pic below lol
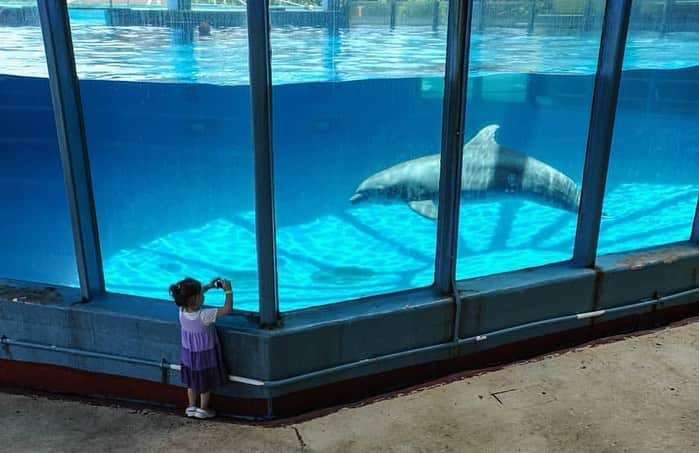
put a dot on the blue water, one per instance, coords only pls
(304, 54)
(172, 161)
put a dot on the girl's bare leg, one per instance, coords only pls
(205, 400)
(192, 397)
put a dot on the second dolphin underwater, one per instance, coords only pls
(488, 169)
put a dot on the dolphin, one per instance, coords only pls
(488, 169)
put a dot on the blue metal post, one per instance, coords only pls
(601, 128)
(67, 108)
(182, 29)
(587, 15)
(695, 227)
(532, 16)
(453, 114)
(481, 15)
(179, 5)
(261, 98)
(435, 15)
(667, 10)
(342, 15)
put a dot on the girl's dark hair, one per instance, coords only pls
(183, 291)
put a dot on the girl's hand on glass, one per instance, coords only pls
(227, 286)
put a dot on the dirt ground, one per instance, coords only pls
(636, 395)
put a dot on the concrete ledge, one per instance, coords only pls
(627, 278)
(342, 352)
(332, 335)
(506, 300)
(20, 374)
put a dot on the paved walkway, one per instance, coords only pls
(636, 395)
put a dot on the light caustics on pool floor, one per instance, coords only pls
(372, 249)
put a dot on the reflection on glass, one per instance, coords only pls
(353, 100)
(530, 81)
(167, 116)
(652, 184)
(36, 242)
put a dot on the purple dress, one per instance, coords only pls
(202, 367)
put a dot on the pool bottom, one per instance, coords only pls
(375, 249)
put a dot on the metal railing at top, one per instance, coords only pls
(652, 15)
(550, 15)
(298, 4)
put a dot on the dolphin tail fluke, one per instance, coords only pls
(425, 208)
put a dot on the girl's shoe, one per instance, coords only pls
(204, 413)
(191, 411)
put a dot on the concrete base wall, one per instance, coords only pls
(339, 353)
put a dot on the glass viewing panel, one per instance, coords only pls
(36, 240)
(356, 100)
(653, 178)
(167, 118)
(531, 78)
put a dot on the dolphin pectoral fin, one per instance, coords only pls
(485, 136)
(425, 208)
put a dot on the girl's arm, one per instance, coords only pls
(228, 304)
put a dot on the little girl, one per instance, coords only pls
(202, 367)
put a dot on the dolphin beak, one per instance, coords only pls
(356, 198)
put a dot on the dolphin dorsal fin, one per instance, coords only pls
(485, 136)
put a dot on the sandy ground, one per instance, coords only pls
(636, 395)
